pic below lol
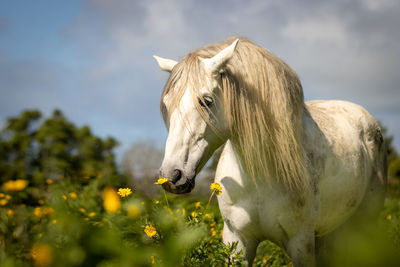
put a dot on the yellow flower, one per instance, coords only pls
(193, 214)
(73, 195)
(64, 197)
(1, 195)
(111, 201)
(152, 259)
(389, 217)
(15, 185)
(161, 181)
(133, 211)
(124, 192)
(8, 197)
(82, 210)
(157, 202)
(216, 187)
(197, 205)
(43, 212)
(213, 232)
(49, 181)
(42, 254)
(3, 202)
(10, 213)
(92, 214)
(150, 230)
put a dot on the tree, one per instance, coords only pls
(53, 149)
(17, 155)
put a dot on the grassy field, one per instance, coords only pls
(64, 224)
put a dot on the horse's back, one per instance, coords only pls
(346, 152)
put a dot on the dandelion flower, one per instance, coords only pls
(64, 197)
(193, 214)
(73, 195)
(124, 192)
(389, 217)
(161, 181)
(150, 230)
(216, 187)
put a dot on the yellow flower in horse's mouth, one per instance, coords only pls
(216, 187)
(161, 181)
(150, 230)
(124, 192)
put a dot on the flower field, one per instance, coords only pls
(64, 224)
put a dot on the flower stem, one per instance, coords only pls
(209, 200)
(166, 199)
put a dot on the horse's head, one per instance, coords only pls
(194, 114)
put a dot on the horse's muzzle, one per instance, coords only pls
(179, 186)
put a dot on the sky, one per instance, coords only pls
(93, 59)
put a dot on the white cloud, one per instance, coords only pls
(378, 5)
(317, 30)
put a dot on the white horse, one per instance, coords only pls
(290, 171)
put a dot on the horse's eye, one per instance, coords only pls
(206, 101)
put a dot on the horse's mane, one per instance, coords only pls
(263, 100)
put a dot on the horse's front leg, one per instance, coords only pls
(301, 249)
(248, 245)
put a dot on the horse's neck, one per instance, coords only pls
(230, 165)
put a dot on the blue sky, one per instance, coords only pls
(93, 59)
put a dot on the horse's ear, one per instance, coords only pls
(165, 64)
(215, 63)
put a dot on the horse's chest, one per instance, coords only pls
(257, 215)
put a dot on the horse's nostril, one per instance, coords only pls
(176, 175)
